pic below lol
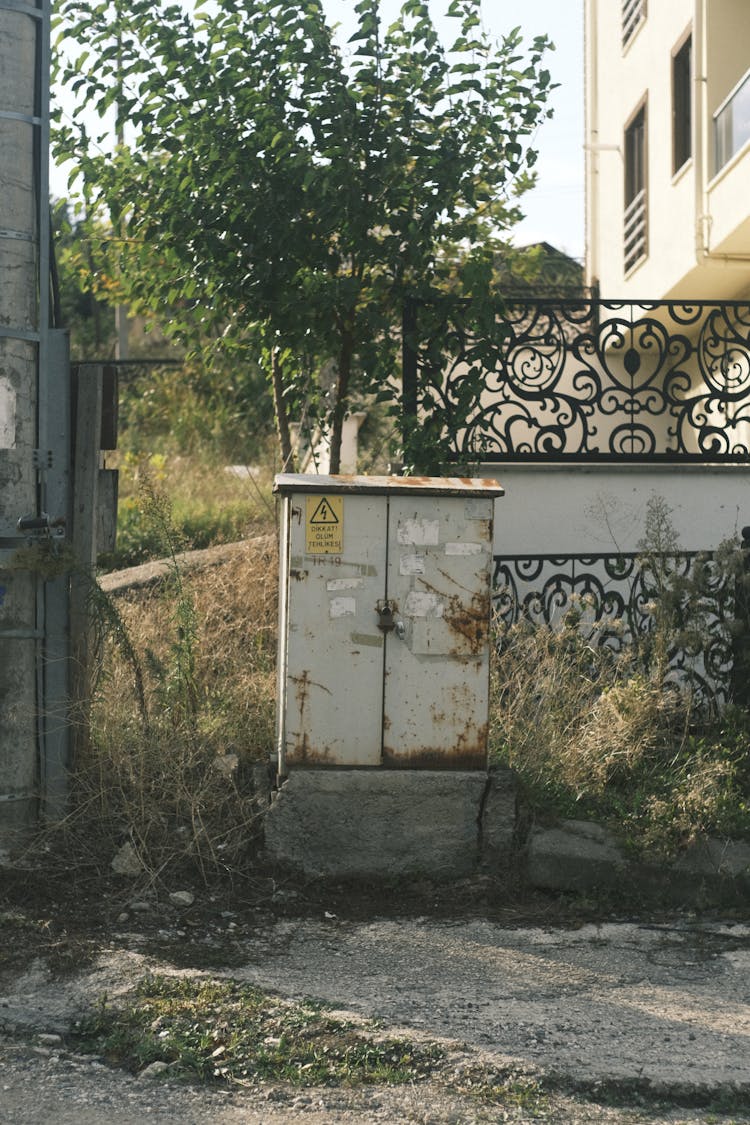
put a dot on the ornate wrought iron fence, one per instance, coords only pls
(612, 598)
(580, 380)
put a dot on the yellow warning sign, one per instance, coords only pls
(324, 525)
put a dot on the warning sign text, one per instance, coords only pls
(324, 525)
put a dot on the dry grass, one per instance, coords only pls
(590, 735)
(182, 716)
(545, 684)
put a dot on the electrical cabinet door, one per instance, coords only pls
(436, 703)
(334, 674)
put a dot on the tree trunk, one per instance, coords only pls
(281, 414)
(343, 379)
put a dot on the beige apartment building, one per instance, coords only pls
(668, 148)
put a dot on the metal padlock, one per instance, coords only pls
(386, 622)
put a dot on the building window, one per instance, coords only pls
(732, 123)
(682, 105)
(633, 15)
(636, 211)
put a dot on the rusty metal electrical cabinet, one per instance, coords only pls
(384, 621)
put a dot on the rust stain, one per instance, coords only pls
(301, 752)
(470, 621)
(426, 758)
(303, 683)
(452, 718)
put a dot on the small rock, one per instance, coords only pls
(155, 1070)
(49, 1040)
(182, 898)
(140, 907)
(123, 917)
(126, 861)
(283, 895)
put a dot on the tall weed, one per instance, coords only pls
(208, 505)
(629, 736)
(183, 714)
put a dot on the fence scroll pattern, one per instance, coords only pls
(584, 380)
(613, 595)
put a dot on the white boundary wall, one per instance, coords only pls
(601, 509)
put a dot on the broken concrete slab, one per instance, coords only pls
(576, 855)
(582, 856)
(709, 856)
(377, 823)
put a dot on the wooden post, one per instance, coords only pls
(88, 416)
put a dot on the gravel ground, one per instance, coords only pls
(621, 1022)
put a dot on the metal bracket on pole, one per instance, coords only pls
(20, 334)
(26, 118)
(18, 235)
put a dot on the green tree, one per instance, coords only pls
(81, 287)
(282, 198)
(538, 270)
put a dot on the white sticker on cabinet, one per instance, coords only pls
(334, 584)
(418, 533)
(422, 604)
(411, 564)
(464, 548)
(342, 607)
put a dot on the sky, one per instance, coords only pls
(554, 210)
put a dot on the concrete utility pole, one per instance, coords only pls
(24, 247)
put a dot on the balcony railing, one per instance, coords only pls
(580, 380)
(732, 123)
(633, 13)
(635, 235)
